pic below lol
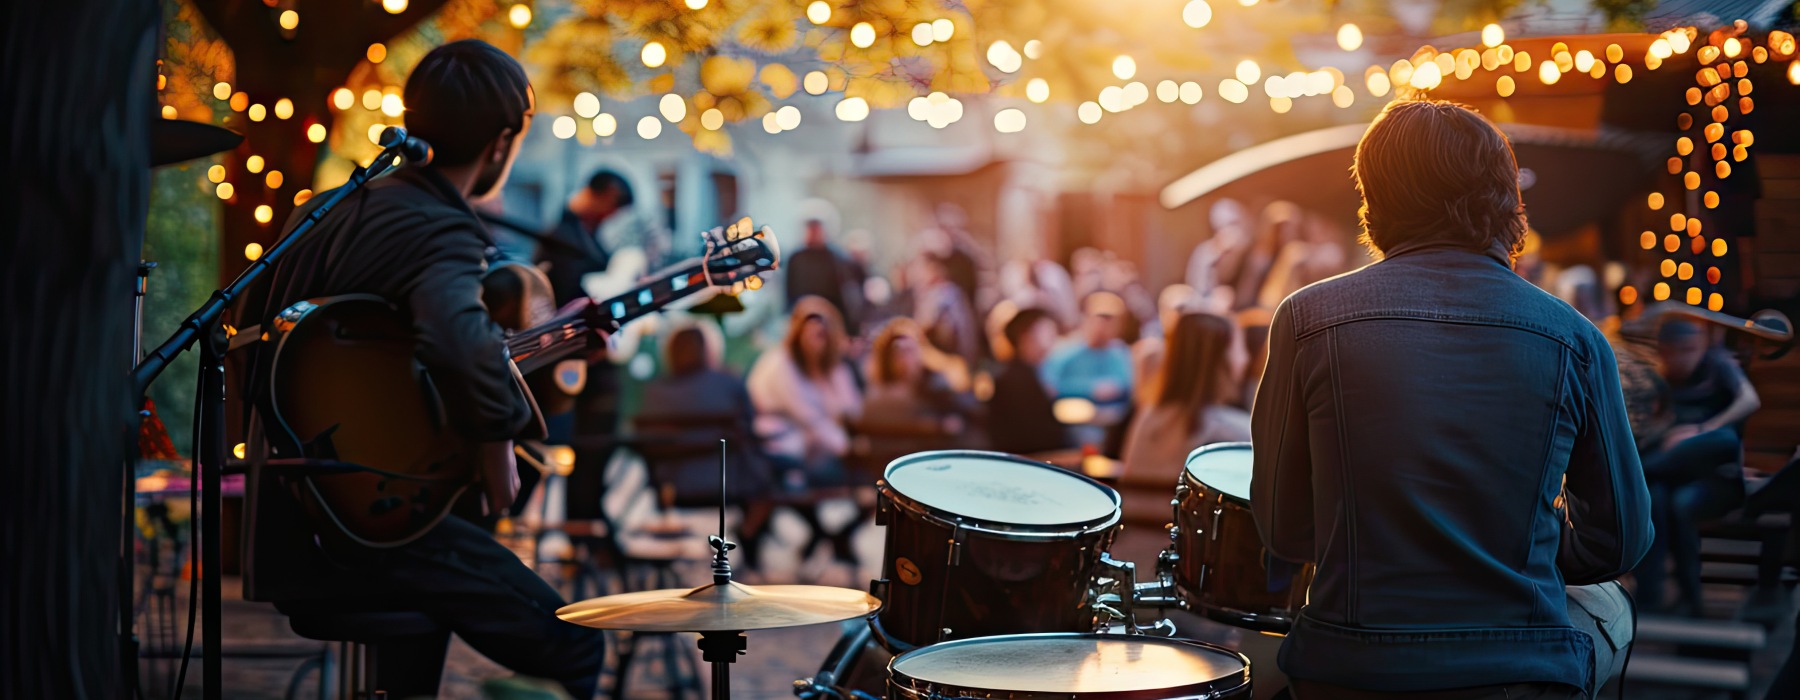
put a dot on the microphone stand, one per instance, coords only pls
(204, 326)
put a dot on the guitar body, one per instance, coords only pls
(345, 386)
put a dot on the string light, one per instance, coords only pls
(605, 125)
(1089, 112)
(856, 109)
(1248, 72)
(221, 90)
(1718, 247)
(862, 35)
(290, 20)
(1037, 90)
(1661, 291)
(315, 133)
(942, 29)
(816, 83)
(1190, 93)
(921, 34)
(273, 180)
(1503, 86)
(1196, 14)
(563, 127)
(393, 7)
(254, 250)
(371, 100)
(1009, 121)
(654, 54)
(649, 128)
(1350, 37)
(696, 4)
(710, 120)
(1168, 91)
(1123, 67)
(225, 190)
(392, 106)
(254, 164)
(819, 12)
(1548, 73)
(1233, 91)
(301, 197)
(284, 108)
(1715, 302)
(264, 214)
(586, 105)
(1492, 35)
(673, 108)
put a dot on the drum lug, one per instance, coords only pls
(1218, 512)
(957, 536)
(882, 506)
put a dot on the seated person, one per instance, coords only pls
(1694, 469)
(697, 403)
(909, 404)
(1199, 380)
(1095, 365)
(805, 395)
(1022, 417)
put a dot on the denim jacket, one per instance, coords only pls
(1413, 432)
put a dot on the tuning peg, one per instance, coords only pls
(737, 288)
(754, 282)
(762, 232)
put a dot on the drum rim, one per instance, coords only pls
(911, 683)
(1187, 475)
(1005, 529)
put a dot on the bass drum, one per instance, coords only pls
(1070, 667)
(983, 543)
(1222, 569)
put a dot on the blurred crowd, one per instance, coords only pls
(949, 348)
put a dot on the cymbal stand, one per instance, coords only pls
(205, 324)
(128, 641)
(721, 649)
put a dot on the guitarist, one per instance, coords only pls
(412, 239)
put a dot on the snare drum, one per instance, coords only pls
(1070, 667)
(983, 543)
(1222, 569)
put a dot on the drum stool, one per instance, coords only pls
(356, 633)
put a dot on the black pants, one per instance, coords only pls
(477, 588)
(1308, 690)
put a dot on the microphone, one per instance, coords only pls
(410, 148)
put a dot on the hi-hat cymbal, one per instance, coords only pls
(721, 608)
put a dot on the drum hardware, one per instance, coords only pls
(1118, 599)
(1217, 562)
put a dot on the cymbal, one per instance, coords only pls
(721, 608)
(175, 140)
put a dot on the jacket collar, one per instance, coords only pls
(1495, 252)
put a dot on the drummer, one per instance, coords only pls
(1415, 424)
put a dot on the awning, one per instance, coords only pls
(1570, 177)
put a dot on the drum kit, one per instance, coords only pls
(997, 583)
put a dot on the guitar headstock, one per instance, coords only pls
(738, 255)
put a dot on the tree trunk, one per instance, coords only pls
(76, 102)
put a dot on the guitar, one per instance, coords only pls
(350, 405)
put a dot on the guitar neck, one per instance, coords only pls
(574, 330)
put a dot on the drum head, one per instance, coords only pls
(1074, 664)
(1223, 467)
(998, 488)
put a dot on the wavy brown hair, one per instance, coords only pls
(1431, 170)
(808, 308)
(1196, 371)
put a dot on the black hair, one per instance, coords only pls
(604, 180)
(1021, 323)
(462, 95)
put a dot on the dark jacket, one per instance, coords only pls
(1021, 417)
(1412, 434)
(411, 239)
(565, 265)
